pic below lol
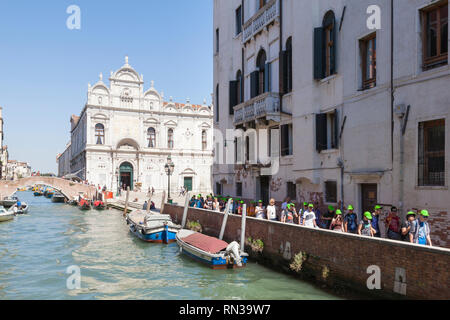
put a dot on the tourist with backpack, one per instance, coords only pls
(420, 230)
(337, 224)
(365, 226)
(406, 225)
(375, 220)
(392, 223)
(351, 221)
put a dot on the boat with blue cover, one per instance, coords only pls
(152, 227)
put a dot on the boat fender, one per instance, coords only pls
(233, 251)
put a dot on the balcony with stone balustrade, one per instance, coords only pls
(266, 106)
(261, 19)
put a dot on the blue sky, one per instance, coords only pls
(45, 67)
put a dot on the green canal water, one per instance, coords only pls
(37, 249)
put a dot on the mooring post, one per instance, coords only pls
(126, 202)
(225, 218)
(163, 201)
(185, 211)
(244, 217)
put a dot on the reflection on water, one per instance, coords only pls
(37, 249)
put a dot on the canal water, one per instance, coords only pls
(37, 249)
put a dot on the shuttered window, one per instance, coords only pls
(327, 131)
(325, 59)
(286, 140)
(234, 85)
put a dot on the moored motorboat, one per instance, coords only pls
(150, 227)
(8, 202)
(49, 193)
(58, 197)
(38, 193)
(99, 205)
(6, 215)
(211, 251)
(84, 204)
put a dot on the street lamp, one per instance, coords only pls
(169, 167)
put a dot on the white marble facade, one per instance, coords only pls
(123, 135)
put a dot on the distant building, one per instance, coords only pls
(3, 150)
(17, 170)
(124, 135)
(63, 161)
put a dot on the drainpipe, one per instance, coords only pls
(281, 48)
(392, 83)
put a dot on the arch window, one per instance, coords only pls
(170, 138)
(325, 47)
(151, 137)
(260, 79)
(99, 133)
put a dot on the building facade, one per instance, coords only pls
(125, 134)
(16, 170)
(63, 161)
(338, 105)
(3, 149)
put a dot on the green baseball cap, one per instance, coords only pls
(350, 207)
(260, 201)
(377, 207)
(424, 213)
(242, 201)
(331, 208)
(368, 215)
(338, 212)
(305, 203)
(411, 213)
(311, 205)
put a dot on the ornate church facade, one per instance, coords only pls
(124, 135)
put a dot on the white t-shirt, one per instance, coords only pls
(308, 218)
(271, 212)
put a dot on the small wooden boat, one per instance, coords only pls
(49, 193)
(58, 197)
(6, 215)
(157, 228)
(8, 202)
(84, 204)
(22, 209)
(38, 194)
(99, 205)
(213, 252)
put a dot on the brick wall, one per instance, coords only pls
(338, 260)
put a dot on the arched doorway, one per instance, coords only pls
(126, 175)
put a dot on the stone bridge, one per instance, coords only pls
(68, 188)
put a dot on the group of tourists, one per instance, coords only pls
(414, 229)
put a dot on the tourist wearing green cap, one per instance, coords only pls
(337, 224)
(375, 220)
(259, 210)
(251, 209)
(407, 224)
(365, 226)
(420, 229)
(289, 214)
(309, 217)
(326, 219)
(351, 221)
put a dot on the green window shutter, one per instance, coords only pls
(267, 77)
(321, 132)
(254, 78)
(319, 68)
(233, 95)
(336, 129)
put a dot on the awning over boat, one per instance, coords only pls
(206, 243)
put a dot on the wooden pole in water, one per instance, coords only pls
(163, 201)
(225, 218)
(126, 202)
(185, 211)
(244, 217)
